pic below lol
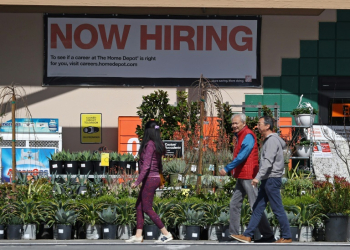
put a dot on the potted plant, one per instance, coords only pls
(130, 164)
(96, 161)
(71, 166)
(89, 216)
(173, 168)
(212, 215)
(3, 219)
(30, 213)
(83, 179)
(85, 164)
(333, 196)
(303, 148)
(309, 216)
(64, 221)
(55, 163)
(151, 231)
(194, 221)
(224, 221)
(109, 218)
(14, 227)
(126, 220)
(293, 213)
(304, 116)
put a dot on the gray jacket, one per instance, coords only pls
(271, 158)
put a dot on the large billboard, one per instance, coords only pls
(151, 51)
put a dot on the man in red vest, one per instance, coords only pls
(244, 167)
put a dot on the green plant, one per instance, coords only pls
(89, 213)
(223, 219)
(96, 156)
(303, 110)
(124, 157)
(174, 166)
(304, 143)
(29, 211)
(213, 213)
(293, 213)
(64, 217)
(108, 216)
(333, 195)
(83, 179)
(224, 156)
(4, 214)
(179, 210)
(194, 218)
(246, 212)
(309, 215)
(127, 214)
(14, 220)
(22, 178)
(53, 157)
(114, 156)
(85, 156)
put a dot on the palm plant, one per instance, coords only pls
(108, 216)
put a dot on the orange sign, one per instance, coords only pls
(340, 109)
(128, 141)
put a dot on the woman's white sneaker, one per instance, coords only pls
(134, 239)
(164, 238)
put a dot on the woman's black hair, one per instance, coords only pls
(152, 132)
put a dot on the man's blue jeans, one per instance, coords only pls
(269, 190)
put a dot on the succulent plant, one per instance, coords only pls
(108, 216)
(64, 217)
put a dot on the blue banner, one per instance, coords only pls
(31, 160)
(26, 125)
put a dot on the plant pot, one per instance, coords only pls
(124, 232)
(151, 232)
(193, 232)
(305, 234)
(214, 232)
(2, 232)
(45, 232)
(93, 232)
(29, 232)
(86, 167)
(303, 151)
(114, 167)
(225, 233)
(128, 166)
(306, 120)
(71, 167)
(295, 233)
(336, 228)
(182, 232)
(56, 167)
(319, 233)
(64, 232)
(14, 232)
(109, 232)
(100, 170)
(82, 190)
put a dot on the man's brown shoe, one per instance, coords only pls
(282, 240)
(241, 238)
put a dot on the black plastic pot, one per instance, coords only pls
(193, 232)
(82, 190)
(2, 232)
(45, 232)
(109, 232)
(14, 232)
(151, 232)
(71, 167)
(56, 167)
(99, 169)
(295, 233)
(64, 232)
(225, 233)
(86, 167)
(336, 228)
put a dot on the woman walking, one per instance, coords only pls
(150, 164)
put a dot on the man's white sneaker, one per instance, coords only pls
(134, 239)
(164, 238)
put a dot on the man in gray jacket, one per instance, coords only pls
(270, 174)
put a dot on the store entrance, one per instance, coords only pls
(334, 100)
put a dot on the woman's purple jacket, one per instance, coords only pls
(150, 162)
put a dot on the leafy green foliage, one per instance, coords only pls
(108, 216)
(65, 217)
(303, 110)
(127, 214)
(194, 218)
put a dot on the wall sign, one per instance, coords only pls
(174, 148)
(90, 128)
(149, 51)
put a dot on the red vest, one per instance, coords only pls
(249, 168)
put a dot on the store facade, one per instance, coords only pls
(297, 49)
